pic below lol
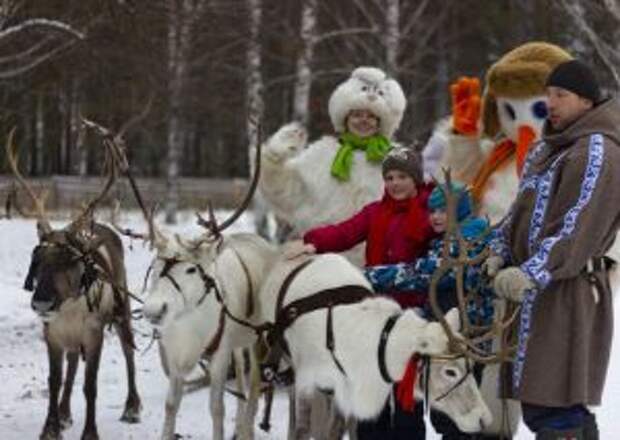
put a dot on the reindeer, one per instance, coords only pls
(78, 278)
(342, 338)
(202, 298)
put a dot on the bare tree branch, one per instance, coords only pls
(574, 8)
(44, 23)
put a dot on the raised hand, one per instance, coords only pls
(465, 105)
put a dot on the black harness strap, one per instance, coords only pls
(217, 338)
(329, 298)
(385, 334)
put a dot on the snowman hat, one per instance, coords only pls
(520, 73)
(368, 88)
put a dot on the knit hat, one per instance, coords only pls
(368, 88)
(406, 160)
(520, 73)
(575, 77)
(437, 200)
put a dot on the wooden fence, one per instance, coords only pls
(70, 192)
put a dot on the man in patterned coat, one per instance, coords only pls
(553, 242)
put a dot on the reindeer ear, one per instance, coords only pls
(41, 230)
(454, 319)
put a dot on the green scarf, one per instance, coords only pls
(376, 147)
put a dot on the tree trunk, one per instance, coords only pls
(303, 83)
(392, 35)
(181, 18)
(39, 135)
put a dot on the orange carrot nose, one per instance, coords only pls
(526, 137)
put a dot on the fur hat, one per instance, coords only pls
(406, 160)
(520, 73)
(368, 88)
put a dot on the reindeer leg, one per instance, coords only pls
(93, 357)
(303, 417)
(239, 363)
(65, 402)
(292, 413)
(219, 371)
(251, 405)
(131, 413)
(51, 429)
(173, 400)
(337, 423)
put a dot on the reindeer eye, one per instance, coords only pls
(451, 373)
(191, 270)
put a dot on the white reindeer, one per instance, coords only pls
(186, 298)
(360, 389)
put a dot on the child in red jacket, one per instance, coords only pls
(396, 229)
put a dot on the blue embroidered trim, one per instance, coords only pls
(499, 242)
(543, 188)
(535, 266)
(525, 323)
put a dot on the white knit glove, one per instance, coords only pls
(297, 248)
(492, 265)
(512, 283)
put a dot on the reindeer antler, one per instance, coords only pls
(38, 202)
(211, 224)
(469, 344)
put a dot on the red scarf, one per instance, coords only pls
(404, 388)
(418, 228)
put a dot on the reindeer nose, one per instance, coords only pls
(41, 306)
(157, 317)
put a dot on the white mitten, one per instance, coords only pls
(492, 265)
(285, 143)
(512, 283)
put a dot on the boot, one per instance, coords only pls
(590, 428)
(561, 434)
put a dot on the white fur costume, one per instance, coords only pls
(296, 180)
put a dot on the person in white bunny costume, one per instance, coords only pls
(333, 177)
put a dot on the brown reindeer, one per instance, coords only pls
(77, 276)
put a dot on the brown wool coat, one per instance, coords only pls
(569, 341)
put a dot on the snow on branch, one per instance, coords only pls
(42, 22)
(607, 53)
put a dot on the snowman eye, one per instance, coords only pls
(510, 111)
(539, 109)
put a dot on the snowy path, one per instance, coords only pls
(23, 362)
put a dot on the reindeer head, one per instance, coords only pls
(182, 277)
(448, 381)
(184, 272)
(62, 267)
(62, 264)
(452, 389)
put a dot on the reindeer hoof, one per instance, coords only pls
(66, 421)
(51, 432)
(131, 415)
(91, 435)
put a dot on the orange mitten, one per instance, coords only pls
(465, 105)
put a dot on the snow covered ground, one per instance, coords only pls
(23, 361)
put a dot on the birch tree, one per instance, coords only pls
(303, 82)
(182, 18)
(608, 51)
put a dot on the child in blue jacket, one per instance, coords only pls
(416, 275)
